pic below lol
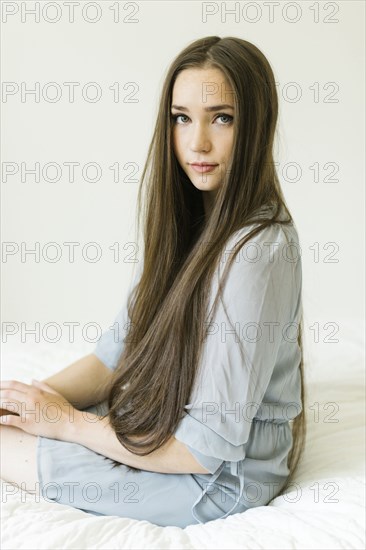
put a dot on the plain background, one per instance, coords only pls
(318, 64)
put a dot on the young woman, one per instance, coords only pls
(191, 407)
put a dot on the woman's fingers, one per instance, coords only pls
(3, 412)
(14, 384)
(15, 398)
(10, 405)
(44, 386)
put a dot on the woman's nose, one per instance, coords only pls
(199, 138)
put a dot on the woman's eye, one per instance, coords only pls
(175, 117)
(228, 117)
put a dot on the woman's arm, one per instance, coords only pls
(96, 433)
(83, 383)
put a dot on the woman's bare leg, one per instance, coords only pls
(19, 458)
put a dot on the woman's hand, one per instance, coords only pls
(35, 408)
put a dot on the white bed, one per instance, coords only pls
(324, 510)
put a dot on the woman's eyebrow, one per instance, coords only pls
(208, 109)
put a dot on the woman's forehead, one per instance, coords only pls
(208, 85)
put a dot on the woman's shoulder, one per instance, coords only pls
(277, 233)
(272, 254)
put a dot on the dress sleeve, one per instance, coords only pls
(260, 297)
(111, 343)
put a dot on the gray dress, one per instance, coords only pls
(237, 423)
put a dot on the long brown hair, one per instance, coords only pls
(168, 307)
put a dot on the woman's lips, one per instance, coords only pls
(204, 168)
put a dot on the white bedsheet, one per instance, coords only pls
(324, 510)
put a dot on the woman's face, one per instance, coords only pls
(203, 129)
